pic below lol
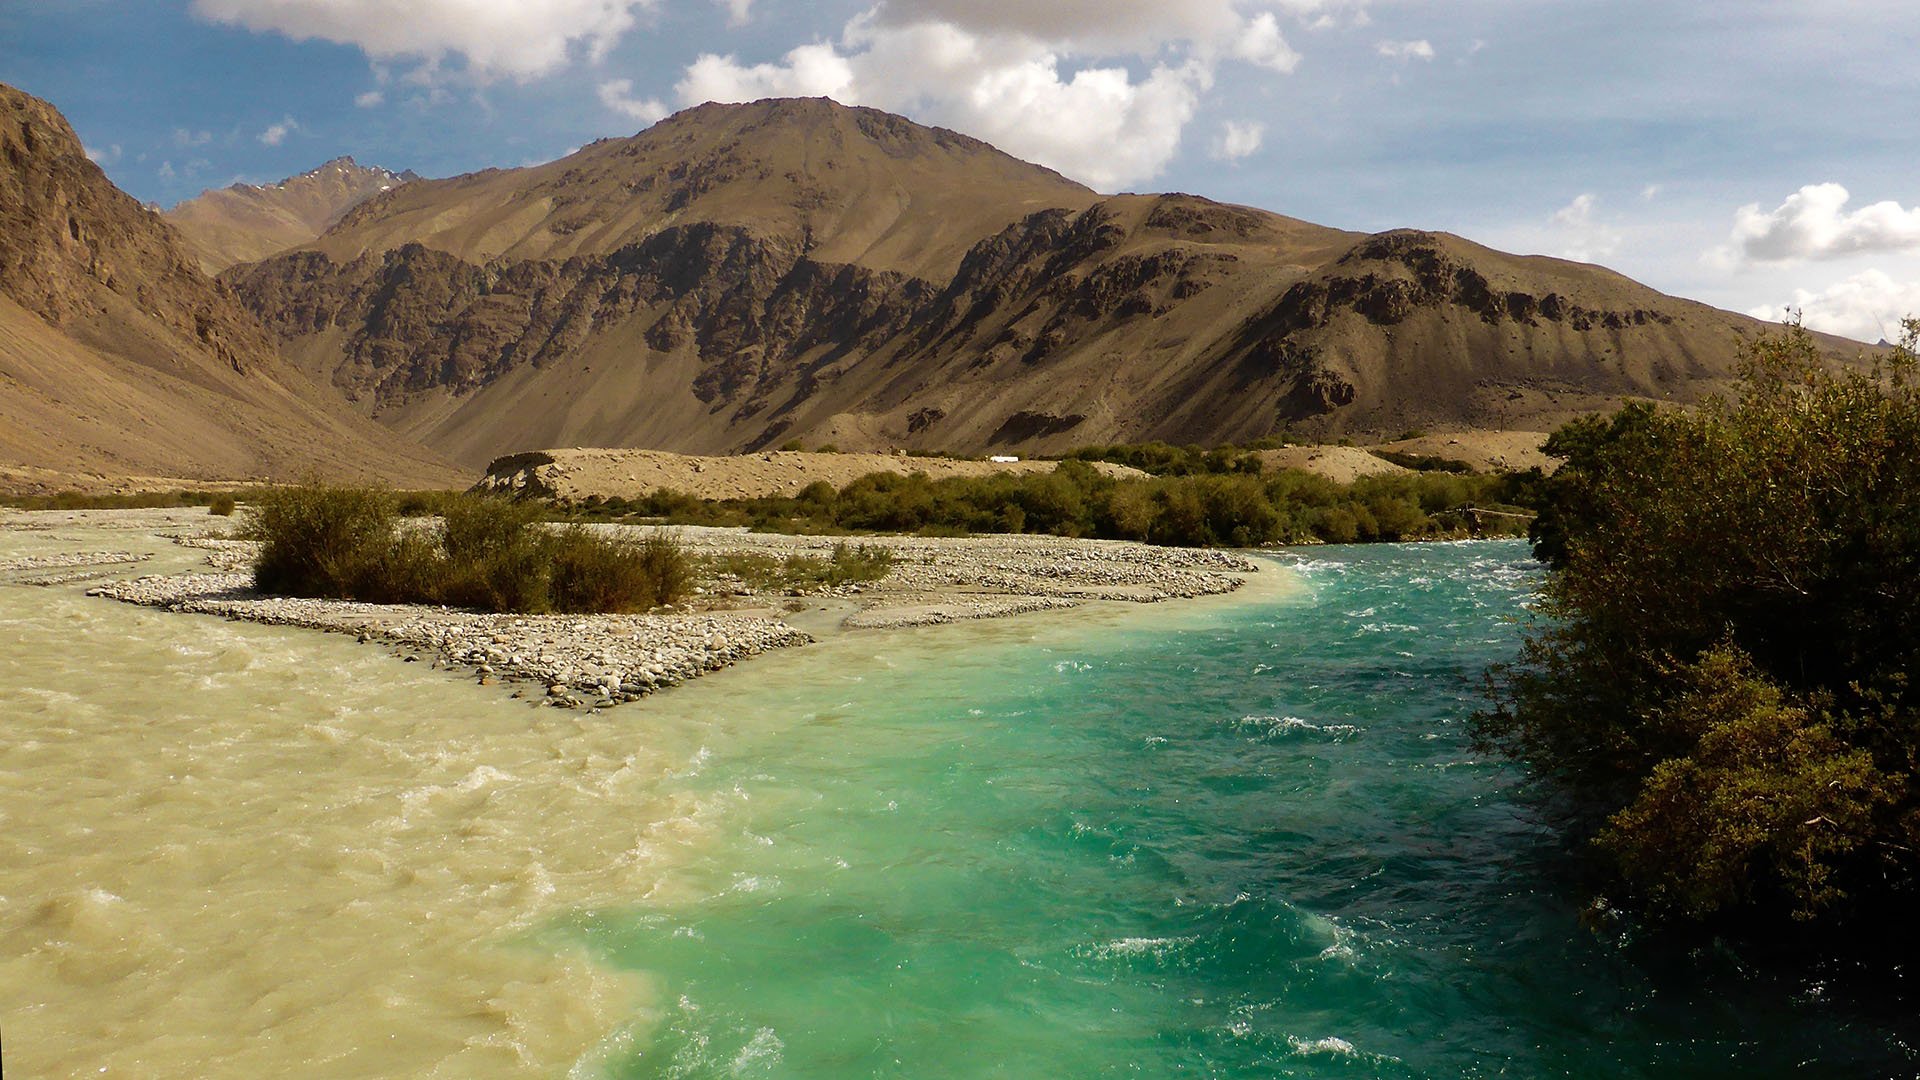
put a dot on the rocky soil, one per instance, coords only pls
(593, 661)
(580, 660)
(68, 567)
(575, 474)
(1341, 464)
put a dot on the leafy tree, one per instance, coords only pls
(1719, 685)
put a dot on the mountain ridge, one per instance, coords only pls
(740, 276)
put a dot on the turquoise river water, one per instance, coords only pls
(1243, 838)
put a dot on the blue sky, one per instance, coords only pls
(1751, 155)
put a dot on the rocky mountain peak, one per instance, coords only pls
(247, 222)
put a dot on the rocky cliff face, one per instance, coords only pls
(118, 358)
(415, 320)
(740, 276)
(68, 237)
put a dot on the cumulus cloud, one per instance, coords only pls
(184, 138)
(1813, 223)
(808, 71)
(498, 38)
(1867, 306)
(1236, 140)
(1098, 123)
(1102, 90)
(738, 11)
(1581, 237)
(277, 133)
(106, 155)
(371, 99)
(1093, 27)
(617, 94)
(1405, 50)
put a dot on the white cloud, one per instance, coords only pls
(1086, 27)
(1867, 307)
(166, 171)
(103, 155)
(498, 38)
(808, 71)
(371, 99)
(1098, 123)
(1049, 82)
(1578, 213)
(1325, 14)
(1650, 192)
(617, 94)
(1260, 42)
(738, 11)
(1579, 236)
(277, 133)
(1236, 140)
(1813, 224)
(183, 137)
(1405, 50)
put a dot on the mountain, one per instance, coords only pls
(246, 223)
(738, 276)
(119, 358)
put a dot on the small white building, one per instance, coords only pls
(1004, 459)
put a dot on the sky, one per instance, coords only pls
(1757, 155)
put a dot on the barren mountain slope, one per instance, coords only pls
(806, 176)
(246, 223)
(118, 357)
(740, 276)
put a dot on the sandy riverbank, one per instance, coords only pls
(591, 661)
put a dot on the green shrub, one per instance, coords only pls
(858, 562)
(1206, 507)
(848, 563)
(137, 500)
(321, 541)
(1721, 689)
(488, 554)
(1162, 459)
(221, 506)
(415, 504)
(591, 572)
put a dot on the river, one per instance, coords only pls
(1242, 837)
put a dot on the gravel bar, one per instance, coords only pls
(581, 660)
(590, 661)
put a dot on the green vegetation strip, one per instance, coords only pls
(1232, 508)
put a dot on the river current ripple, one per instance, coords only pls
(1234, 838)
